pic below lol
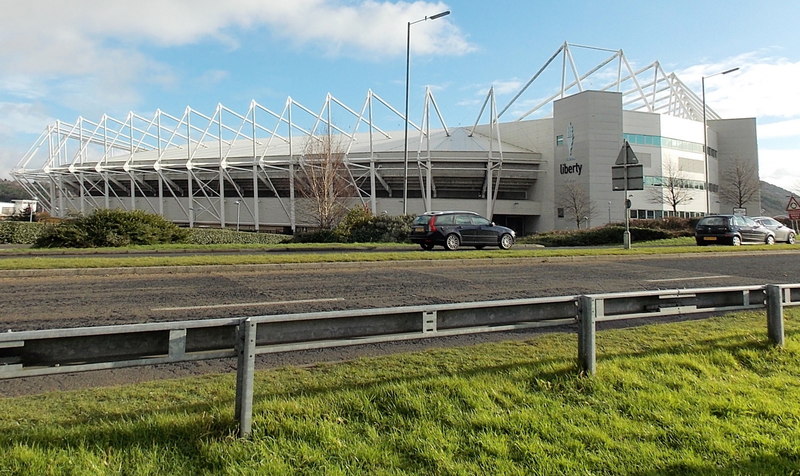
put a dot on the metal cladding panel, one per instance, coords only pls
(287, 332)
(94, 348)
(210, 338)
(502, 315)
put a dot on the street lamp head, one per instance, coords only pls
(731, 70)
(439, 15)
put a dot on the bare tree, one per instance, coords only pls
(575, 201)
(673, 189)
(740, 184)
(324, 182)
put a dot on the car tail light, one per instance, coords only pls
(432, 224)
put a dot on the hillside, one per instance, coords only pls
(774, 199)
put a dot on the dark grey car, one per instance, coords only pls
(782, 232)
(731, 230)
(452, 229)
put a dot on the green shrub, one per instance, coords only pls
(382, 229)
(20, 232)
(318, 236)
(221, 236)
(361, 226)
(356, 217)
(111, 228)
(606, 235)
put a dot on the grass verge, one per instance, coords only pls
(269, 254)
(699, 397)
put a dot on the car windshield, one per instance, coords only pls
(713, 221)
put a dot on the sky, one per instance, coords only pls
(63, 60)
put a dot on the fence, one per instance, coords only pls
(46, 352)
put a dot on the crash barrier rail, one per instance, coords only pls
(47, 352)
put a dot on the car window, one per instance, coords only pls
(481, 221)
(463, 220)
(769, 222)
(712, 221)
(421, 220)
(445, 220)
(749, 221)
(739, 221)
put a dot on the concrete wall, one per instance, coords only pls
(591, 125)
(737, 142)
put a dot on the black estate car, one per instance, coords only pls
(731, 230)
(453, 229)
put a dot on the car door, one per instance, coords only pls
(484, 231)
(466, 228)
(751, 231)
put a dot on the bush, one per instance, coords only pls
(221, 236)
(112, 228)
(381, 229)
(20, 232)
(361, 226)
(607, 235)
(319, 236)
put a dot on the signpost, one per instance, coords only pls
(627, 174)
(793, 208)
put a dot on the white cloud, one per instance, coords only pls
(780, 167)
(22, 118)
(779, 129)
(764, 86)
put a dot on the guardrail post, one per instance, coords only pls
(245, 348)
(775, 314)
(586, 335)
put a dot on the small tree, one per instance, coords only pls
(740, 184)
(324, 182)
(672, 190)
(575, 201)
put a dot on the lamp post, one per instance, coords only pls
(705, 133)
(238, 204)
(408, 72)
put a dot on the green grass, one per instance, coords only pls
(260, 254)
(702, 397)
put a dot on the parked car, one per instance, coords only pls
(732, 230)
(782, 232)
(452, 229)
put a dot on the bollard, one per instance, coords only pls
(245, 347)
(586, 335)
(775, 314)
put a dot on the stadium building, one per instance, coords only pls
(549, 167)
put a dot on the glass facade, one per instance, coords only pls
(658, 141)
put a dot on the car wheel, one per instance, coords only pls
(426, 246)
(506, 241)
(790, 239)
(770, 240)
(736, 241)
(452, 242)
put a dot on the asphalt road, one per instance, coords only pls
(41, 300)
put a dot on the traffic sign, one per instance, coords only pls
(793, 208)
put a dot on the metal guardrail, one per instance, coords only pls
(47, 352)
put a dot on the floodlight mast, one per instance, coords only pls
(408, 74)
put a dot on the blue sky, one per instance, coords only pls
(62, 60)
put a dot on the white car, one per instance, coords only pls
(782, 232)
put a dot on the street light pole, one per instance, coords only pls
(705, 135)
(408, 74)
(238, 203)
